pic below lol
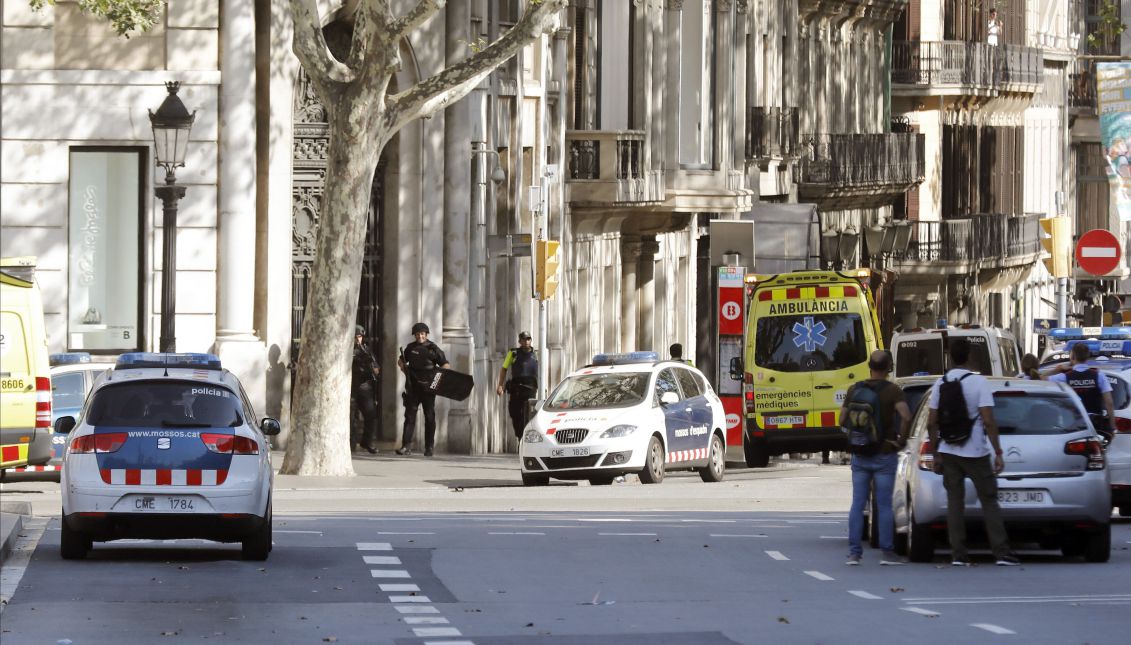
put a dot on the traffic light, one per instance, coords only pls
(546, 264)
(1057, 243)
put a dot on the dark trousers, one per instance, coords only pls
(364, 401)
(419, 396)
(517, 409)
(980, 471)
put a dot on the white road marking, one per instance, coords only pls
(436, 631)
(920, 611)
(374, 546)
(711, 521)
(818, 575)
(389, 573)
(777, 555)
(406, 533)
(994, 629)
(417, 610)
(381, 559)
(746, 535)
(970, 600)
(398, 587)
(409, 599)
(449, 643)
(425, 620)
(515, 533)
(627, 534)
(604, 519)
(288, 531)
(864, 594)
(834, 537)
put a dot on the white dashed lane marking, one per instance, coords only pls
(515, 533)
(398, 587)
(819, 576)
(864, 594)
(374, 546)
(382, 559)
(742, 535)
(389, 573)
(921, 611)
(406, 533)
(710, 521)
(629, 534)
(435, 631)
(409, 599)
(985, 600)
(409, 609)
(777, 555)
(448, 643)
(286, 531)
(993, 629)
(425, 620)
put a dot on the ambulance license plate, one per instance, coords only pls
(785, 420)
(570, 452)
(1021, 496)
(163, 504)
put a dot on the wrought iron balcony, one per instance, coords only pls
(772, 133)
(1082, 87)
(991, 239)
(965, 67)
(607, 166)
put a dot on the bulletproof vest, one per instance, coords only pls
(420, 359)
(1087, 387)
(363, 362)
(525, 367)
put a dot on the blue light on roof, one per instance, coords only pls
(69, 358)
(626, 358)
(1099, 333)
(134, 360)
(1104, 347)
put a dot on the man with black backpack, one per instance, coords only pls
(875, 436)
(963, 435)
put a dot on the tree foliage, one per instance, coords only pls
(126, 17)
(1110, 27)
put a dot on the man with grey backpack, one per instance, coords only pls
(963, 437)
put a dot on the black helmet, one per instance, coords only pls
(524, 335)
(359, 330)
(420, 327)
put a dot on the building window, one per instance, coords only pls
(697, 69)
(104, 268)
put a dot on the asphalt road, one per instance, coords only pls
(557, 578)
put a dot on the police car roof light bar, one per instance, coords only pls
(197, 361)
(69, 358)
(1103, 347)
(625, 358)
(1097, 333)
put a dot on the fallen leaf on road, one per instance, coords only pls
(896, 589)
(168, 633)
(330, 639)
(783, 619)
(529, 624)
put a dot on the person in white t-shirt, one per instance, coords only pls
(993, 28)
(970, 459)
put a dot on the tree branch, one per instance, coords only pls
(454, 83)
(420, 14)
(311, 49)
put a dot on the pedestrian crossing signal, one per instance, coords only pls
(1057, 245)
(547, 262)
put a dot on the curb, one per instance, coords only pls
(11, 523)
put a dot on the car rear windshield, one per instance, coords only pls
(590, 391)
(926, 356)
(809, 343)
(1120, 394)
(1032, 413)
(168, 404)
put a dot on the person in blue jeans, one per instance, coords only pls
(874, 467)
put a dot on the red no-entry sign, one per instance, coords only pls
(1098, 252)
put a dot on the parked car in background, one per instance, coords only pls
(1055, 488)
(72, 376)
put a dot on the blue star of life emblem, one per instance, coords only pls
(809, 335)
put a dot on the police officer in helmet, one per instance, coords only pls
(419, 360)
(1091, 385)
(364, 392)
(523, 383)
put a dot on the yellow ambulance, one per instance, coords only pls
(25, 379)
(808, 338)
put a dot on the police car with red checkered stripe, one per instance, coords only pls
(626, 413)
(167, 446)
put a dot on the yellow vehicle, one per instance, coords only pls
(808, 337)
(25, 379)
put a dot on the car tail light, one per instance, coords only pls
(1122, 425)
(42, 402)
(100, 443)
(229, 444)
(1090, 448)
(748, 396)
(926, 456)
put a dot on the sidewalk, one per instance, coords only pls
(11, 522)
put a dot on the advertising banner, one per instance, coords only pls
(1113, 90)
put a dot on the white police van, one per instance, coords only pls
(923, 352)
(626, 413)
(167, 446)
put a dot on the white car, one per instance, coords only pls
(167, 446)
(626, 413)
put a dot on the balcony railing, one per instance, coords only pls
(773, 133)
(608, 166)
(862, 160)
(1082, 86)
(967, 64)
(978, 238)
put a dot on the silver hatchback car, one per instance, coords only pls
(1054, 490)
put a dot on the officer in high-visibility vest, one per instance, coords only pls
(523, 384)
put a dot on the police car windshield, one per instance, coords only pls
(169, 404)
(927, 356)
(589, 391)
(809, 343)
(1037, 413)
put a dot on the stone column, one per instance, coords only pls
(630, 261)
(457, 340)
(237, 344)
(646, 287)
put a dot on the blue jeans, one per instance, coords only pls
(878, 471)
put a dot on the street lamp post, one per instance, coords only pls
(171, 125)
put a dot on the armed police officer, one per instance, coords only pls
(1091, 385)
(364, 393)
(523, 383)
(419, 360)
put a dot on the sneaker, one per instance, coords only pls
(853, 560)
(404, 450)
(372, 451)
(1008, 560)
(960, 562)
(427, 453)
(891, 559)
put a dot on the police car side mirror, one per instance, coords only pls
(269, 427)
(64, 425)
(736, 369)
(668, 398)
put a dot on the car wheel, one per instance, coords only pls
(1097, 547)
(535, 480)
(716, 462)
(757, 454)
(73, 545)
(1125, 511)
(257, 545)
(653, 472)
(920, 542)
(600, 481)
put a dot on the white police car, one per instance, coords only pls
(626, 413)
(167, 446)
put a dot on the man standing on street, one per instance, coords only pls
(523, 384)
(364, 392)
(970, 458)
(874, 465)
(419, 360)
(1091, 385)
(676, 350)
